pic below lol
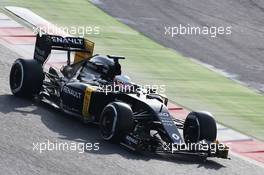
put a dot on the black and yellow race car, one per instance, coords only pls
(92, 88)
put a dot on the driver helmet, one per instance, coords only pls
(123, 83)
(122, 79)
(105, 66)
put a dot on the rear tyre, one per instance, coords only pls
(199, 126)
(116, 120)
(26, 78)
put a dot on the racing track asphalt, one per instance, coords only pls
(25, 122)
(240, 54)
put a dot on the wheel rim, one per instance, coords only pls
(16, 77)
(108, 123)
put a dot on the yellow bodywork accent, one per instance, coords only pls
(86, 101)
(79, 56)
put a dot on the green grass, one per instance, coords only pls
(187, 83)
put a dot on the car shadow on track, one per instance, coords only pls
(70, 128)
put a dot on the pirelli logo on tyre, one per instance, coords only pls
(86, 101)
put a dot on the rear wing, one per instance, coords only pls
(83, 48)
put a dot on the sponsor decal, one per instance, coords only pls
(67, 40)
(175, 136)
(167, 122)
(132, 140)
(165, 119)
(72, 92)
(164, 114)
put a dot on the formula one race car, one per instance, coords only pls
(92, 88)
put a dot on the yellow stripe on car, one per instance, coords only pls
(87, 100)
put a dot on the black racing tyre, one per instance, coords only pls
(116, 120)
(26, 78)
(199, 126)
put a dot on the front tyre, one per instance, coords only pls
(116, 120)
(199, 126)
(26, 78)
